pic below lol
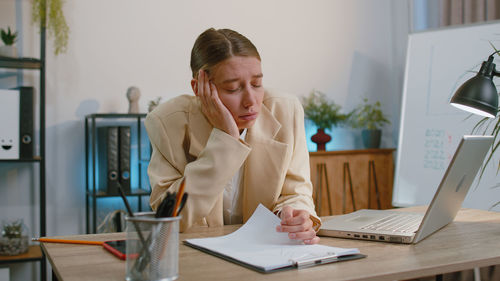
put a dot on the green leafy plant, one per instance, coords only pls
(489, 126)
(49, 14)
(13, 229)
(368, 116)
(322, 112)
(152, 104)
(8, 37)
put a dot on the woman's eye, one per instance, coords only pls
(233, 90)
(257, 85)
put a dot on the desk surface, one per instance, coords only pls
(470, 241)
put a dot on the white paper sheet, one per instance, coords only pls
(259, 244)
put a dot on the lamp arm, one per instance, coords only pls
(490, 60)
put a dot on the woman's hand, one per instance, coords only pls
(298, 224)
(212, 107)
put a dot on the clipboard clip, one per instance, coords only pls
(308, 262)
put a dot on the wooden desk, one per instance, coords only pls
(357, 162)
(471, 241)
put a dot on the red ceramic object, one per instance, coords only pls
(321, 138)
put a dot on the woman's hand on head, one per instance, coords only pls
(298, 224)
(212, 107)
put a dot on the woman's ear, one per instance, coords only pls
(194, 86)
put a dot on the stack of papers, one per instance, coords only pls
(259, 246)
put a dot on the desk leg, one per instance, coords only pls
(328, 190)
(477, 274)
(371, 173)
(319, 183)
(54, 276)
(347, 173)
(321, 170)
(344, 191)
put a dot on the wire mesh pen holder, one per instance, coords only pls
(152, 247)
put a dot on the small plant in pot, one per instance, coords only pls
(324, 114)
(370, 118)
(152, 104)
(14, 240)
(8, 38)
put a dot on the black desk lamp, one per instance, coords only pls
(479, 95)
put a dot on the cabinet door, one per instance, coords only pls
(352, 168)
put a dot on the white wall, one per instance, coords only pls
(347, 49)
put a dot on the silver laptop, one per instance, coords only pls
(404, 227)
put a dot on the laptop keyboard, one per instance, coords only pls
(405, 223)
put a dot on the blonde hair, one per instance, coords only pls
(214, 46)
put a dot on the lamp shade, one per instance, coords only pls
(478, 95)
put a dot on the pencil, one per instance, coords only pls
(67, 241)
(179, 197)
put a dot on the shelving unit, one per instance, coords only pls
(92, 122)
(20, 63)
(34, 253)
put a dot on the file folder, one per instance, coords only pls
(108, 160)
(124, 155)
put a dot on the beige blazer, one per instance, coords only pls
(275, 158)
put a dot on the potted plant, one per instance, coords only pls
(152, 104)
(8, 38)
(14, 240)
(370, 118)
(324, 114)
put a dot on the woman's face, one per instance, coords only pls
(239, 84)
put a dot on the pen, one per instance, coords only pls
(166, 207)
(315, 261)
(179, 198)
(131, 214)
(144, 258)
(183, 202)
(67, 241)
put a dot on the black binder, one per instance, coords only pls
(26, 122)
(108, 160)
(124, 155)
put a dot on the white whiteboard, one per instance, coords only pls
(437, 63)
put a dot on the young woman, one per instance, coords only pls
(235, 143)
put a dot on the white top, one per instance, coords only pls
(233, 209)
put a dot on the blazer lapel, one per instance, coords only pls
(265, 166)
(199, 130)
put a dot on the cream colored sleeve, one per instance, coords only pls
(297, 187)
(205, 176)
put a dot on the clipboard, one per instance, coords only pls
(295, 264)
(257, 246)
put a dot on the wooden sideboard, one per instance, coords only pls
(363, 171)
